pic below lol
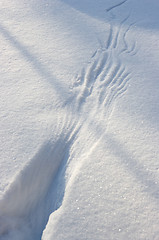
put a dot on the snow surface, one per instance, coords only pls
(79, 114)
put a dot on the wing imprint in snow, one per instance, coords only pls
(105, 77)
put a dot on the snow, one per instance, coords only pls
(79, 119)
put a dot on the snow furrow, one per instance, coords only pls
(24, 201)
(105, 71)
(116, 5)
(110, 38)
(126, 47)
(117, 37)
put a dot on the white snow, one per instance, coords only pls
(79, 113)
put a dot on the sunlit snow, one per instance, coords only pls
(79, 114)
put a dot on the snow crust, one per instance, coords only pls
(79, 118)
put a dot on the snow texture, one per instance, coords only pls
(79, 118)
